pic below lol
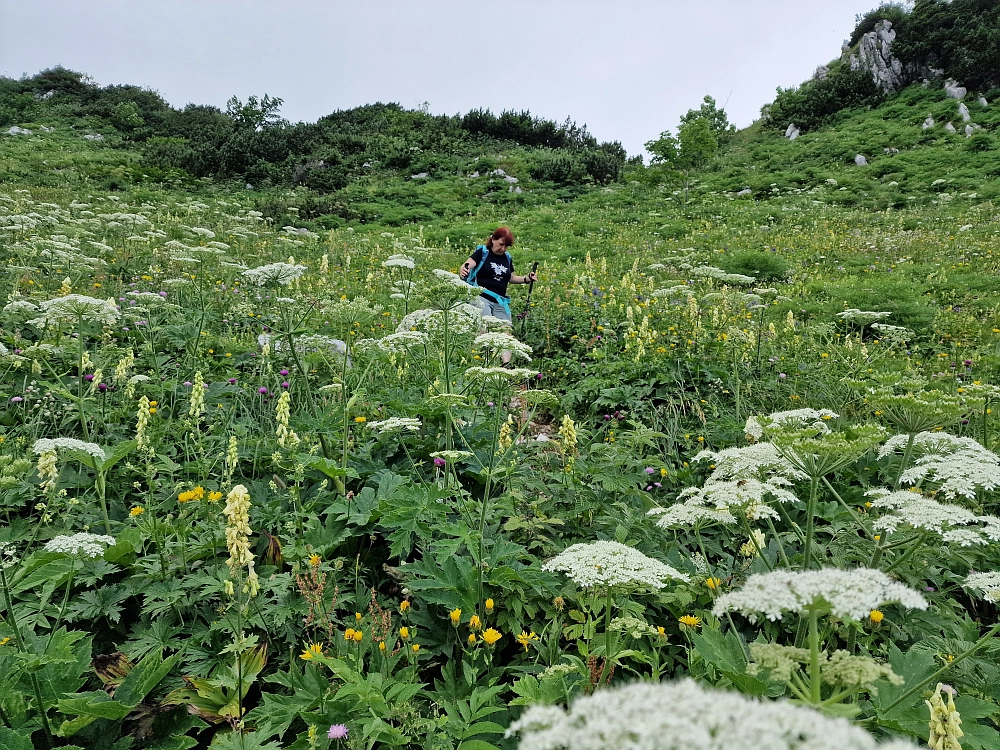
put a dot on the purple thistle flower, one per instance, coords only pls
(163, 294)
(283, 373)
(439, 461)
(88, 377)
(657, 485)
(231, 381)
(284, 384)
(337, 732)
(262, 391)
(102, 387)
(650, 470)
(16, 400)
(187, 383)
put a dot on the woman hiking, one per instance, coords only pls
(491, 268)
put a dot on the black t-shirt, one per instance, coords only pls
(496, 271)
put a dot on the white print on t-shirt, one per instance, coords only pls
(498, 270)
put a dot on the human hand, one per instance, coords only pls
(464, 270)
(531, 277)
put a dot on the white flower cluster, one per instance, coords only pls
(606, 563)
(711, 272)
(74, 307)
(862, 316)
(463, 318)
(510, 374)
(754, 461)
(499, 341)
(794, 418)
(274, 273)
(80, 545)
(449, 277)
(451, 456)
(686, 515)
(401, 342)
(46, 445)
(988, 583)
(957, 465)
(920, 512)
(399, 261)
(849, 594)
(395, 424)
(740, 493)
(685, 715)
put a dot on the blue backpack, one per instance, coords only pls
(504, 302)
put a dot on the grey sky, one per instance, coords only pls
(626, 69)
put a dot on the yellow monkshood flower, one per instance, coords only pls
(525, 638)
(456, 617)
(491, 636)
(312, 651)
(690, 621)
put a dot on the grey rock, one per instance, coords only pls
(511, 180)
(474, 175)
(861, 161)
(875, 56)
(15, 130)
(419, 176)
(952, 89)
(791, 132)
(983, 102)
(517, 189)
(963, 111)
(249, 186)
(950, 128)
(47, 130)
(94, 137)
(498, 173)
(821, 73)
(970, 129)
(890, 150)
(928, 123)
(745, 191)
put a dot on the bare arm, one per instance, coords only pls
(515, 279)
(467, 267)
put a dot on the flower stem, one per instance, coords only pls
(607, 638)
(906, 460)
(814, 681)
(810, 524)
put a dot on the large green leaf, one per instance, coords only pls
(11, 740)
(143, 677)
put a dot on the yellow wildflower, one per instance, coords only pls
(361, 420)
(315, 560)
(875, 616)
(312, 650)
(456, 616)
(349, 634)
(713, 583)
(137, 510)
(690, 621)
(491, 636)
(214, 497)
(525, 638)
(404, 632)
(489, 606)
(472, 639)
(404, 605)
(415, 647)
(475, 623)
(358, 636)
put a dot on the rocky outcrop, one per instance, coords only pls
(963, 112)
(928, 123)
(791, 132)
(875, 56)
(861, 161)
(952, 89)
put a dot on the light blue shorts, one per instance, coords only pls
(493, 309)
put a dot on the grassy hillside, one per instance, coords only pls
(265, 483)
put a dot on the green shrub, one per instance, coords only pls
(763, 266)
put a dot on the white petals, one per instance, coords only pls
(611, 564)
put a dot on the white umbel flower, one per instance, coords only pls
(957, 474)
(45, 445)
(913, 509)
(687, 515)
(395, 424)
(511, 374)
(606, 563)
(399, 261)
(987, 584)
(849, 594)
(282, 274)
(754, 461)
(684, 715)
(498, 341)
(80, 545)
(73, 307)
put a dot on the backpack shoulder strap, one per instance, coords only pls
(471, 278)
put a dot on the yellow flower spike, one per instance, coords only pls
(475, 623)
(404, 632)
(137, 510)
(491, 636)
(456, 617)
(312, 651)
(713, 583)
(876, 616)
(690, 621)
(489, 606)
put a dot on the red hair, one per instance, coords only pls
(502, 233)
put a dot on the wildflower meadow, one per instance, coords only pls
(267, 483)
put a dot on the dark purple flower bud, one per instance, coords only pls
(284, 384)
(439, 461)
(102, 387)
(231, 381)
(283, 373)
(88, 377)
(967, 362)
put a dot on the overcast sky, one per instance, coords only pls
(625, 68)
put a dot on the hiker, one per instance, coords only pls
(491, 268)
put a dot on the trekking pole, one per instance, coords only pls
(527, 305)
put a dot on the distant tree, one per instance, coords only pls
(256, 114)
(692, 148)
(716, 118)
